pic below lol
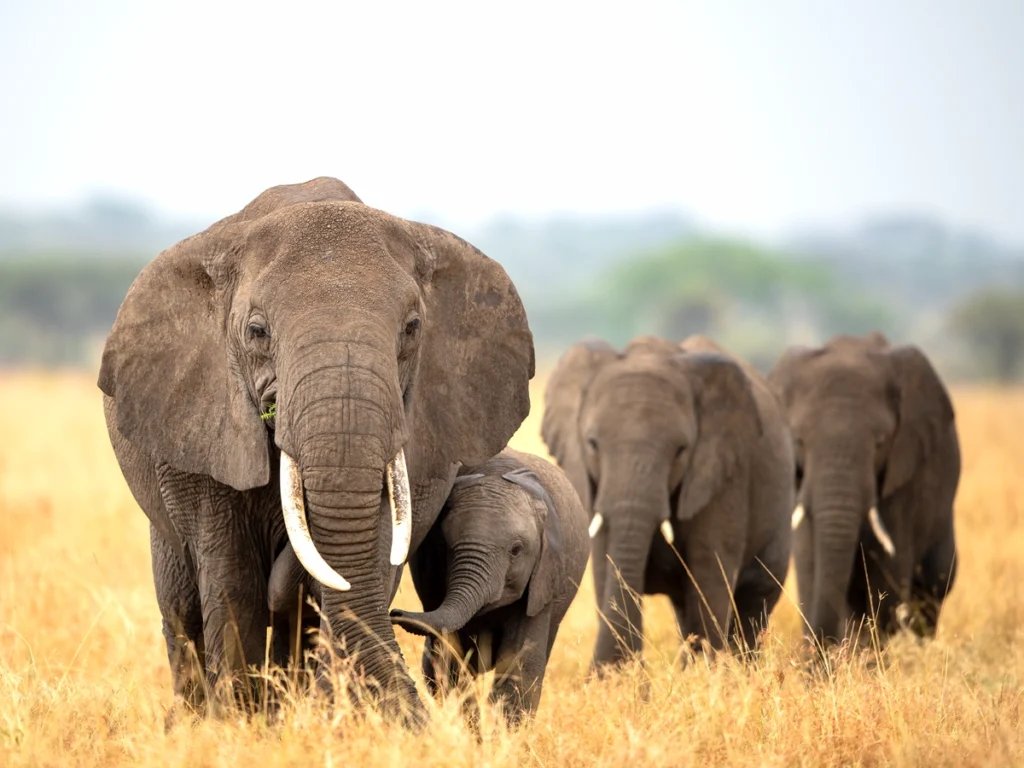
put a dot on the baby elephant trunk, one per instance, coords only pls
(472, 585)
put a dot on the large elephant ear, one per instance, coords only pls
(563, 397)
(728, 424)
(925, 415)
(166, 364)
(472, 392)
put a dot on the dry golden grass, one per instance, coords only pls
(84, 677)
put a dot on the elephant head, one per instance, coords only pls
(864, 416)
(502, 537)
(365, 354)
(647, 436)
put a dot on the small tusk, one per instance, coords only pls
(401, 508)
(798, 516)
(294, 507)
(878, 528)
(595, 524)
(667, 532)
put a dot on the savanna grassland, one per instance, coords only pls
(84, 677)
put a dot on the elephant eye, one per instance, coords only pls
(412, 326)
(592, 443)
(680, 451)
(516, 549)
(799, 475)
(257, 331)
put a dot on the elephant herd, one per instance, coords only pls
(312, 393)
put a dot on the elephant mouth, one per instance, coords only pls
(293, 505)
(874, 520)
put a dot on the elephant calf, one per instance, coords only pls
(497, 576)
(877, 468)
(675, 447)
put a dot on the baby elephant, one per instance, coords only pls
(496, 576)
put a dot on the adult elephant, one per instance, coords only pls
(877, 467)
(686, 441)
(288, 375)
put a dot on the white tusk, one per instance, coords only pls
(595, 524)
(798, 516)
(294, 507)
(666, 531)
(401, 507)
(878, 528)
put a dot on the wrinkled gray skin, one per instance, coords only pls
(497, 576)
(370, 333)
(683, 433)
(872, 425)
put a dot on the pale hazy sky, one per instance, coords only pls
(755, 116)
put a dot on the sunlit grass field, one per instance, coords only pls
(84, 677)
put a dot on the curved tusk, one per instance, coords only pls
(878, 528)
(294, 507)
(401, 507)
(667, 532)
(798, 516)
(595, 524)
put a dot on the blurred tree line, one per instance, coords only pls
(958, 295)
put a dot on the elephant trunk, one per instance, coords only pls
(620, 632)
(838, 507)
(472, 585)
(343, 443)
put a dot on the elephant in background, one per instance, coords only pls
(684, 446)
(310, 370)
(877, 468)
(497, 575)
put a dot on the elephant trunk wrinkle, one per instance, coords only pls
(836, 532)
(344, 444)
(621, 629)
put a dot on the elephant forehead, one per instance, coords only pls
(853, 380)
(333, 252)
(637, 384)
(330, 232)
(483, 493)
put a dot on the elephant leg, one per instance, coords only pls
(177, 595)
(882, 587)
(755, 598)
(758, 589)
(233, 587)
(431, 666)
(442, 662)
(709, 596)
(520, 664)
(933, 579)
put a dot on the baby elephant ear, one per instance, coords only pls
(547, 572)
(166, 365)
(527, 479)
